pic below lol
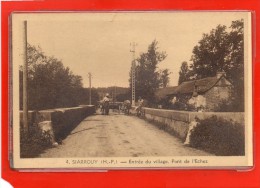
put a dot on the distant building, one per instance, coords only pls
(214, 89)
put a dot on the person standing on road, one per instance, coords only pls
(140, 105)
(106, 104)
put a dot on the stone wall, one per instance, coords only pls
(62, 120)
(178, 121)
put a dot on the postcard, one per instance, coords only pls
(131, 90)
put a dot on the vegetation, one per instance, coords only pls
(50, 84)
(220, 50)
(184, 73)
(118, 93)
(219, 136)
(148, 77)
(33, 141)
(164, 77)
(123, 96)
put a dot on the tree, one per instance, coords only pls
(83, 96)
(220, 51)
(148, 78)
(50, 84)
(123, 96)
(209, 56)
(184, 73)
(164, 77)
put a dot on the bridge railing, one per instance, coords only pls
(179, 121)
(59, 121)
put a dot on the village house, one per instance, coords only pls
(215, 90)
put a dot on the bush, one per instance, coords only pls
(219, 136)
(230, 106)
(33, 141)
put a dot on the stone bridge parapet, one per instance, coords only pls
(178, 121)
(59, 121)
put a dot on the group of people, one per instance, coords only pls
(125, 107)
(198, 102)
(195, 103)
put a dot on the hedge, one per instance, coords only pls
(219, 136)
(34, 141)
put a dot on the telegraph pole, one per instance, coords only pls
(89, 77)
(133, 45)
(115, 94)
(25, 72)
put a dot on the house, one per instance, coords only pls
(215, 90)
(164, 92)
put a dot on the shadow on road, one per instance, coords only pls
(81, 131)
(92, 120)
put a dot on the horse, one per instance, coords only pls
(105, 107)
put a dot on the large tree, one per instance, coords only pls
(220, 51)
(209, 56)
(235, 62)
(148, 77)
(50, 84)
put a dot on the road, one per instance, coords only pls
(118, 135)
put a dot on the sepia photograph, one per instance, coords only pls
(101, 90)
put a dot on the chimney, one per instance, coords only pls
(220, 73)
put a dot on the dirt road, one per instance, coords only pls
(118, 135)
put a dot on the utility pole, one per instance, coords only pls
(115, 93)
(89, 77)
(25, 75)
(133, 45)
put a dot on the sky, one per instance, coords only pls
(100, 42)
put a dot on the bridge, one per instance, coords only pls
(85, 132)
(119, 135)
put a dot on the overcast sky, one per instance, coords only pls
(100, 43)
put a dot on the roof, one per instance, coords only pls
(202, 85)
(163, 92)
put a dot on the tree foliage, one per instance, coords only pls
(164, 77)
(50, 84)
(235, 62)
(184, 73)
(209, 56)
(148, 77)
